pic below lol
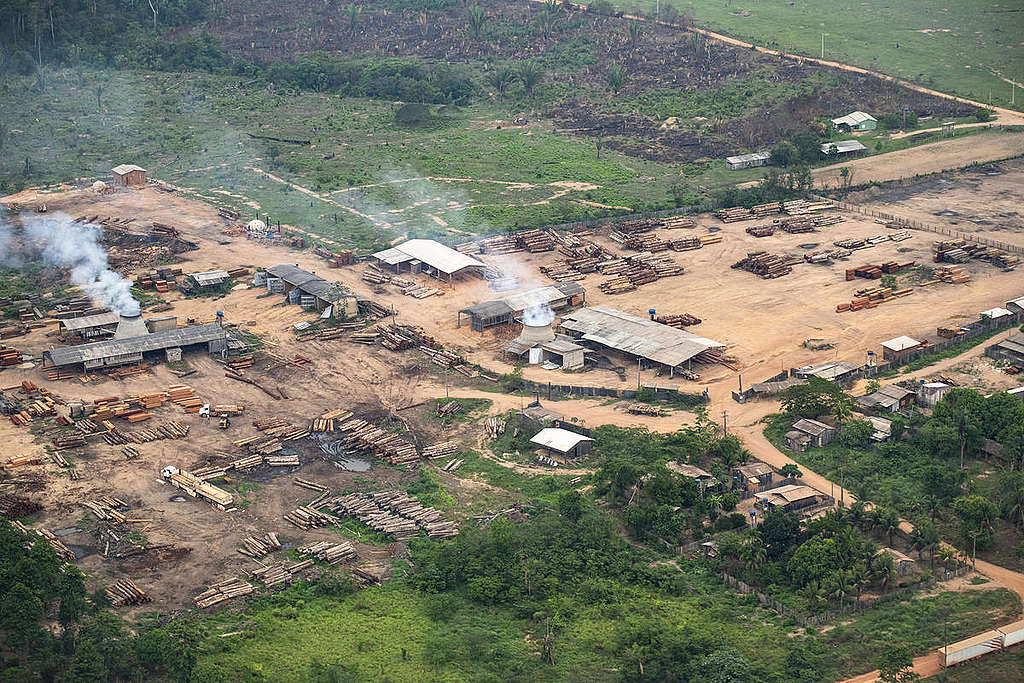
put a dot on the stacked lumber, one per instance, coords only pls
(761, 230)
(799, 207)
(21, 461)
(644, 409)
(1003, 260)
(636, 226)
(440, 450)
(68, 440)
(871, 297)
(198, 488)
(125, 592)
(9, 356)
(535, 241)
(426, 518)
(734, 214)
(388, 446)
(370, 307)
(643, 242)
(617, 285)
(223, 591)
(279, 573)
(764, 264)
(900, 235)
(796, 225)
(680, 320)
(211, 472)
(364, 508)
(445, 359)
(184, 396)
(418, 291)
(306, 517)
(453, 464)
(375, 276)
(449, 409)
(240, 362)
(258, 546)
(851, 243)
(952, 274)
(326, 551)
(495, 427)
(686, 243)
(769, 209)
(327, 421)
(246, 463)
(676, 222)
(282, 460)
(562, 272)
(169, 430)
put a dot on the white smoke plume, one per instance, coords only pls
(77, 245)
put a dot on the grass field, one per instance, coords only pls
(959, 48)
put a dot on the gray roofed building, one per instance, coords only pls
(293, 275)
(209, 278)
(503, 311)
(89, 325)
(1010, 349)
(340, 299)
(842, 147)
(119, 351)
(748, 160)
(821, 434)
(563, 442)
(832, 370)
(636, 336)
(438, 259)
(1016, 305)
(891, 398)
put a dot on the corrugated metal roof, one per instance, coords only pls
(519, 302)
(560, 346)
(686, 470)
(209, 276)
(87, 321)
(812, 427)
(434, 254)
(635, 335)
(853, 118)
(1018, 302)
(830, 370)
(185, 336)
(561, 440)
(900, 343)
(126, 168)
(996, 312)
(791, 493)
(311, 284)
(745, 158)
(842, 147)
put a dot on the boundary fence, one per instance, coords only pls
(554, 391)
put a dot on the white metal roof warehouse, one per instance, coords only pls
(438, 258)
(636, 335)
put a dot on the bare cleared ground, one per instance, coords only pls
(764, 323)
(933, 157)
(986, 201)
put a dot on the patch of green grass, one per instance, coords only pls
(360, 531)
(533, 487)
(469, 407)
(430, 491)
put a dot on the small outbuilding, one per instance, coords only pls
(129, 174)
(881, 426)
(930, 393)
(1016, 306)
(324, 295)
(833, 371)
(904, 565)
(89, 327)
(208, 279)
(690, 471)
(790, 497)
(754, 474)
(891, 398)
(899, 347)
(797, 441)
(820, 433)
(856, 120)
(1010, 349)
(561, 443)
(842, 148)
(748, 160)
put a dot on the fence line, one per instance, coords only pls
(556, 390)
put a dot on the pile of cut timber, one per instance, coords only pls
(800, 207)
(375, 276)
(764, 264)
(679, 321)
(388, 446)
(448, 409)
(14, 506)
(125, 592)
(306, 517)
(617, 285)
(871, 297)
(534, 240)
(326, 551)
(9, 356)
(426, 518)
(562, 272)
(185, 396)
(644, 409)
(952, 274)
(63, 552)
(256, 546)
(327, 421)
(761, 230)
(197, 488)
(445, 359)
(169, 430)
(440, 450)
(392, 337)
(279, 573)
(495, 426)
(222, 591)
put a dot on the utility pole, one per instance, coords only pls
(725, 421)
(823, 46)
(638, 374)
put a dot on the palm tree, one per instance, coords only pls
(530, 75)
(714, 504)
(753, 553)
(946, 556)
(476, 21)
(858, 578)
(842, 409)
(883, 569)
(549, 18)
(500, 79)
(857, 514)
(839, 586)
(616, 77)
(889, 523)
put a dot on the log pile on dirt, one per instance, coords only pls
(259, 546)
(764, 264)
(962, 251)
(534, 241)
(363, 436)
(326, 551)
(125, 592)
(679, 321)
(9, 356)
(169, 430)
(223, 591)
(63, 552)
(440, 450)
(495, 427)
(393, 512)
(13, 506)
(306, 517)
(644, 409)
(279, 573)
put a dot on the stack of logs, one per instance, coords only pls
(764, 264)
(393, 512)
(280, 573)
(326, 551)
(678, 321)
(169, 430)
(953, 274)
(9, 356)
(535, 241)
(388, 446)
(125, 592)
(449, 409)
(257, 547)
(222, 591)
(440, 450)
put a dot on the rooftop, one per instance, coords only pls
(791, 493)
(744, 158)
(88, 321)
(434, 254)
(900, 343)
(561, 440)
(691, 471)
(635, 335)
(754, 469)
(812, 427)
(842, 147)
(853, 118)
(184, 336)
(310, 283)
(830, 370)
(126, 168)
(209, 276)
(519, 302)
(997, 312)
(1014, 343)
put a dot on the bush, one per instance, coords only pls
(784, 154)
(983, 115)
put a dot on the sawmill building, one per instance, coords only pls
(842, 148)
(748, 160)
(430, 257)
(208, 279)
(639, 338)
(113, 352)
(322, 295)
(559, 296)
(88, 326)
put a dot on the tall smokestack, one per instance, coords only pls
(131, 326)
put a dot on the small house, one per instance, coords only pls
(998, 313)
(931, 393)
(891, 398)
(833, 371)
(563, 352)
(856, 120)
(790, 497)
(752, 475)
(129, 174)
(1010, 349)
(563, 444)
(208, 280)
(900, 347)
(842, 148)
(690, 472)
(904, 565)
(797, 441)
(881, 428)
(821, 434)
(748, 160)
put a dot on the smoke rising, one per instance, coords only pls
(76, 246)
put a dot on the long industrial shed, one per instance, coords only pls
(120, 351)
